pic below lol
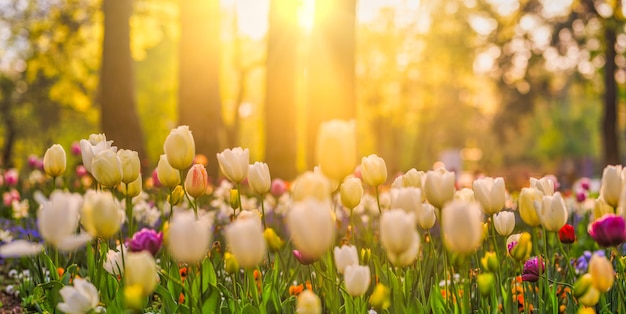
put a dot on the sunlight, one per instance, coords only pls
(306, 15)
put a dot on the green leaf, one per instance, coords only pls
(47, 262)
(169, 302)
(211, 304)
(208, 273)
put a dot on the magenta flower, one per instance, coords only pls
(76, 149)
(146, 239)
(608, 230)
(278, 187)
(302, 259)
(11, 177)
(532, 269)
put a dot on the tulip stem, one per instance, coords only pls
(169, 218)
(129, 212)
(239, 199)
(262, 200)
(380, 211)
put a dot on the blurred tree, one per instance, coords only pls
(117, 91)
(199, 100)
(280, 84)
(331, 67)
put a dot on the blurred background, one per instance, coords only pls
(512, 88)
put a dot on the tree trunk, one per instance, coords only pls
(119, 118)
(280, 89)
(199, 104)
(609, 131)
(331, 87)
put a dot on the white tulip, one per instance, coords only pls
(409, 199)
(504, 222)
(612, 181)
(80, 298)
(113, 263)
(426, 216)
(545, 185)
(58, 219)
(462, 226)
(168, 176)
(54, 161)
(245, 240)
(351, 191)
(188, 238)
(19, 248)
(490, 193)
(373, 170)
(439, 186)
(180, 148)
(395, 225)
(357, 279)
(311, 226)
(234, 163)
(465, 194)
(259, 178)
(408, 256)
(106, 168)
(553, 213)
(344, 256)
(92, 147)
(311, 184)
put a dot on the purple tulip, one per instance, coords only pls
(531, 270)
(581, 196)
(146, 239)
(608, 230)
(302, 259)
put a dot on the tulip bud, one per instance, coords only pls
(611, 187)
(529, 201)
(168, 176)
(462, 226)
(259, 178)
(591, 297)
(231, 265)
(141, 269)
(336, 148)
(196, 181)
(100, 214)
(602, 273)
(373, 170)
(308, 303)
(486, 282)
(106, 168)
(234, 199)
(567, 234)
(601, 208)
(92, 147)
(357, 279)
(490, 262)
(582, 285)
(533, 268)
(234, 163)
(465, 194)
(490, 193)
(407, 199)
(413, 178)
(311, 226)
(54, 161)
(311, 184)
(134, 298)
(545, 185)
(439, 187)
(177, 196)
(504, 223)
(399, 237)
(131, 166)
(381, 297)
(274, 242)
(344, 256)
(132, 189)
(521, 250)
(351, 191)
(246, 241)
(180, 148)
(365, 255)
(426, 216)
(189, 239)
(553, 213)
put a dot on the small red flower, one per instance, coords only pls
(567, 234)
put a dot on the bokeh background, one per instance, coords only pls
(512, 88)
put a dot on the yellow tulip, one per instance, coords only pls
(180, 148)
(54, 161)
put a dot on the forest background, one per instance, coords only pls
(512, 88)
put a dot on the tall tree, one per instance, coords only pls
(119, 118)
(331, 67)
(280, 89)
(199, 91)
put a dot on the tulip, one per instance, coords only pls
(188, 238)
(234, 163)
(381, 297)
(462, 226)
(106, 168)
(131, 166)
(611, 188)
(54, 161)
(465, 194)
(168, 176)
(113, 263)
(601, 208)
(439, 187)
(134, 188)
(553, 212)
(134, 298)
(100, 214)
(609, 230)
(20, 248)
(279, 187)
(426, 216)
(335, 149)
(529, 201)
(141, 269)
(308, 303)
(231, 265)
(602, 273)
(413, 178)
(146, 240)
(590, 298)
(504, 223)
(304, 260)
(357, 279)
(245, 239)
(408, 199)
(311, 226)
(259, 178)
(180, 148)
(274, 242)
(373, 170)
(80, 298)
(351, 191)
(344, 256)
(90, 148)
(311, 184)
(58, 219)
(196, 181)
(11, 177)
(486, 282)
(567, 234)
(533, 268)
(395, 225)
(582, 285)
(490, 193)
(490, 262)
(407, 257)
(521, 250)
(545, 185)
(177, 196)
(75, 149)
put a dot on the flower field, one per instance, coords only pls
(83, 232)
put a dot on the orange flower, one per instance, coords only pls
(295, 290)
(183, 273)
(60, 271)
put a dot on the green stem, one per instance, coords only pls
(380, 211)
(239, 199)
(262, 200)
(129, 212)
